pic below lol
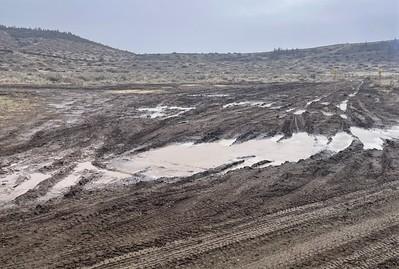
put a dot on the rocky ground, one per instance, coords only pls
(63, 206)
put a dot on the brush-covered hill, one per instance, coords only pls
(42, 57)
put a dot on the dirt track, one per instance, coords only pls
(329, 211)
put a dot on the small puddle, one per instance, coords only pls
(343, 105)
(299, 112)
(69, 181)
(313, 101)
(328, 114)
(60, 106)
(353, 94)
(276, 107)
(212, 95)
(163, 111)
(105, 176)
(248, 103)
(218, 95)
(186, 159)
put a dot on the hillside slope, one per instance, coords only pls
(35, 56)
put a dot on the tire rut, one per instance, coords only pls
(180, 250)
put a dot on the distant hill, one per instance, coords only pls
(26, 33)
(50, 43)
(38, 56)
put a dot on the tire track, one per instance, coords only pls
(368, 256)
(180, 250)
(277, 220)
(301, 252)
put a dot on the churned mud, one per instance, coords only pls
(279, 175)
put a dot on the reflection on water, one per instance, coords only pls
(374, 138)
(188, 158)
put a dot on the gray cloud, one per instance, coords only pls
(210, 25)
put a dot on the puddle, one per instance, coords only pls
(325, 103)
(299, 112)
(289, 110)
(312, 101)
(210, 95)
(12, 188)
(68, 181)
(276, 107)
(248, 103)
(356, 92)
(374, 138)
(344, 116)
(343, 105)
(340, 141)
(63, 105)
(328, 114)
(218, 95)
(186, 159)
(163, 111)
(353, 94)
(152, 112)
(64, 185)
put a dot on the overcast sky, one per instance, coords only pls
(147, 26)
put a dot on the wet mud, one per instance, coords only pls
(198, 176)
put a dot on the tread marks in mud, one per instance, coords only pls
(369, 256)
(326, 242)
(269, 226)
(107, 225)
(42, 188)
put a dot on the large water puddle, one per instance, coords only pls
(185, 159)
(188, 158)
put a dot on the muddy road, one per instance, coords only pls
(281, 175)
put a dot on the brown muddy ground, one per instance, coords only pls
(329, 211)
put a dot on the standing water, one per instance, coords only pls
(189, 158)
